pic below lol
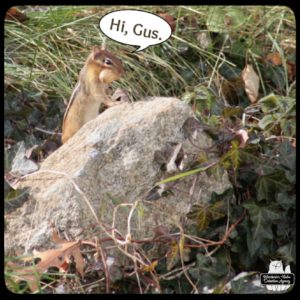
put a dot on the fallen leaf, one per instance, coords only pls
(243, 137)
(59, 258)
(14, 14)
(274, 58)
(291, 69)
(251, 81)
(55, 257)
(170, 19)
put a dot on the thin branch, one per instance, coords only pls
(106, 271)
(225, 237)
(176, 272)
(47, 131)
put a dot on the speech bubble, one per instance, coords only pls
(136, 28)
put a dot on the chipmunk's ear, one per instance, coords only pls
(97, 52)
(97, 49)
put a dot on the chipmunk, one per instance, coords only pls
(100, 69)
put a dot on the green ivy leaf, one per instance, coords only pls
(269, 103)
(281, 110)
(286, 201)
(266, 121)
(287, 156)
(262, 217)
(267, 185)
(204, 214)
(242, 244)
(188, 97)
(210, 270)
(287, 104)
(232, 157)
(205, 99)
(231, 73)
(232, 111)
(287, 253)
(288, 128)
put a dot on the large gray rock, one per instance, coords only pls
(116, 158)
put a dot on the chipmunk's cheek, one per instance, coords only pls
(107, 76)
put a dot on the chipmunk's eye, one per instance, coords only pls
(107, 61)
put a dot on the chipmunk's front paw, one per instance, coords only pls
(120, 96)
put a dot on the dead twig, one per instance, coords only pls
(106, 271)
(223, 240)
(47, 131)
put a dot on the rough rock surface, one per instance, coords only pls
(113, 160)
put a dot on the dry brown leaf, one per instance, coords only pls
(291, 68)
(170, 19)
(243, 137)
(274, 58)
(14, 14)
(56, 257)
(251, 81)
(51, 258)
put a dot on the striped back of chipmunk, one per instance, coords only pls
(72, 98)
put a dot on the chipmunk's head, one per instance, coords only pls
(111, 66)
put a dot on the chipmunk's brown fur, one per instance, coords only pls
(101, 68)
